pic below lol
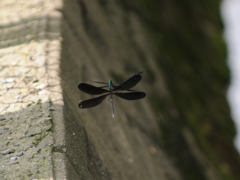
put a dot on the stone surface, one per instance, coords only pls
(26, 119)
(47, 48)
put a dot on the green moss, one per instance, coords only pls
(191, 54)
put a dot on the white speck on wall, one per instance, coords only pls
(231, 17)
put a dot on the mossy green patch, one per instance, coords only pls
(191, 54)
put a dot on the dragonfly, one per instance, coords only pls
(122, 90)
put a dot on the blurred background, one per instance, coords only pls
(231, 13)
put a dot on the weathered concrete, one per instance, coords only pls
(31, 99)
(96, 46)
(30, 93)
(47, 48)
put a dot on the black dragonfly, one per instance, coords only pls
(123, 91)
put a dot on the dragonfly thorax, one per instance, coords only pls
(110, 85)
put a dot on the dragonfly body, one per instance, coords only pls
(123, 91)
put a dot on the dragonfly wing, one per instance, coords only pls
(92, 102)
(87, 88)
(131, 95)
(129, 83)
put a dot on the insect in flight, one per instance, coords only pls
(123, 91)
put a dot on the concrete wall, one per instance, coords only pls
(48, 47)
